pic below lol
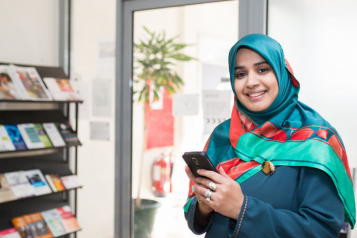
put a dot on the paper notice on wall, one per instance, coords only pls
(99, 130)
(106, 58)
(185, 104)
(101, 98)
(216, 108)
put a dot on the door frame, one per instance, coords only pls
(252, 19)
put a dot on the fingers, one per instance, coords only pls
(190, 174)
(201, 191)
(215, 177)
(222, 172)
(206, 182)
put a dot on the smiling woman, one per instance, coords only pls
(254, 82)
(282, 168)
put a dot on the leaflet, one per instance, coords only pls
(30, 84)
(15, 136)
(8, 89)
(42, 134)
(38, 182)
(54, 134)
(30, 136)
(61, 89)
(19, 184)
(5, 140)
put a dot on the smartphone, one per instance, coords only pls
(198, 160)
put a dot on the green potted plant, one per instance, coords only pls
(154, 64)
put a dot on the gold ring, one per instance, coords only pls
(212, 186)
(199, 200)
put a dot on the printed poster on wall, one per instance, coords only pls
(216, 108)
(160, 124)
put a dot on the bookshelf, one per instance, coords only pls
(53, 160)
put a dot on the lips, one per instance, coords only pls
(255, 93)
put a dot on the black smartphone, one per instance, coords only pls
(198, 160)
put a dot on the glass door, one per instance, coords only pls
(179, 63)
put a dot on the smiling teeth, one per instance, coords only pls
(256, 94)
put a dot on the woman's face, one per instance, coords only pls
(255, 83)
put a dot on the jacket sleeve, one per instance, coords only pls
(190, 218)
(320, 212)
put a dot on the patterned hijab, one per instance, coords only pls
(287, 133)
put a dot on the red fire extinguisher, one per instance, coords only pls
(161, 176)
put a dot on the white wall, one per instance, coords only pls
(319, 39)
(93, 21)
(29, 32)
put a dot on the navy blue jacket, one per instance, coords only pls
(293, 202)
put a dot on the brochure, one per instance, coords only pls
(6, 194)
(38, 182)
(54, 221)
(37, 225)
(19, 184)
(30, 136)
(55, 182)
(42, 134)
(8, 89)
(15, 136)
(30, 84)
(68, 220)
(5, 141)
(70, 181)
(9, 233)
(21, 226)
(67, 133)
(54, 134)
(61, 89)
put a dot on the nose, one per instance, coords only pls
(252, 82)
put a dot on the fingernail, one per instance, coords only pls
(199, 171)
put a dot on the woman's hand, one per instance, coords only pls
(227, 199)
(204, 209)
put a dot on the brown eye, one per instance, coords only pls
(263, 70)
(240, 75)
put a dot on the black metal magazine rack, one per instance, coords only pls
(55, 160)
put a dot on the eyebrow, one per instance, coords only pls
(256, 64)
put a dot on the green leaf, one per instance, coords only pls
(156, 95)
(181, 57)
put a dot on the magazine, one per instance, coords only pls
(42, 134)
(10, 233)
(66, 131)
(19, 184)
(55, 182)
(61, 89)
(30, 136)
(37, 225)
(70, 181)
(38, 182)
(54, 221)
(6, 194)
(30, 84)
(68, 220)
(5, 141)
(21, 226)
(15, 136)
(54, 134)
(8, 89)
(31, 226)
